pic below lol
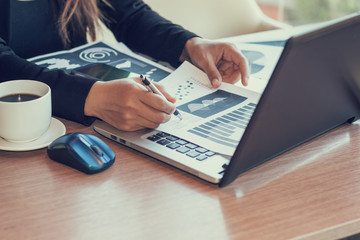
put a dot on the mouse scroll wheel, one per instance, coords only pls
(97, 150)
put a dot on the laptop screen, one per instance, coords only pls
(308, 94)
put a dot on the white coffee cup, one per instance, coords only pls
(24, 121)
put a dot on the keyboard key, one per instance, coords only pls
(162, 134)
(173, 145)
(193, 154)
(209, 154)
(153, 138)
(172, 138)
(201, 157)
(201, 150)
(181, 142)
(191, 146)
(163, 142)
(183, 150)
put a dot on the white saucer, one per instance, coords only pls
(56, 129)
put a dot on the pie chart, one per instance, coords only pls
(256, 60)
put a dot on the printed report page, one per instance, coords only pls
(212, 118)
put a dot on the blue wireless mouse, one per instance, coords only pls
(84, 152)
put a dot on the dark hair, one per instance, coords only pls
(76, 18)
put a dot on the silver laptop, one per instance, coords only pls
(309, 92)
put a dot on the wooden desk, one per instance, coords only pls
(311, 192)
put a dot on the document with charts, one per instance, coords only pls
(117, 55)
(262, 60)
(212, 118)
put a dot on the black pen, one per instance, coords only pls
(152, 88)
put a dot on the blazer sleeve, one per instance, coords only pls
(143, 30)
(68, 92)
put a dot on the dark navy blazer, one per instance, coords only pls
(28, 29)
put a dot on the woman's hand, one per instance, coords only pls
(220, 61)
(127, 105)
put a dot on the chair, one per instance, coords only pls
(214, 19)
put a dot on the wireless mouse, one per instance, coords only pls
(84, 152)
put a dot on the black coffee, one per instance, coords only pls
(20, 97)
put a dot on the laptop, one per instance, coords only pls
(310, 92)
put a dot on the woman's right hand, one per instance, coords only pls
(127, 105)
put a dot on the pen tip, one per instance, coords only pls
(177, 113)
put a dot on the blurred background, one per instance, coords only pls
(297, 12)
(214, 19)
(223, 18)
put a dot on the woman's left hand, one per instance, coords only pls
(222, 62)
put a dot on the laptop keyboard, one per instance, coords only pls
(182, 146)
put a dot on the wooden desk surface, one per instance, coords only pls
(311, 192)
